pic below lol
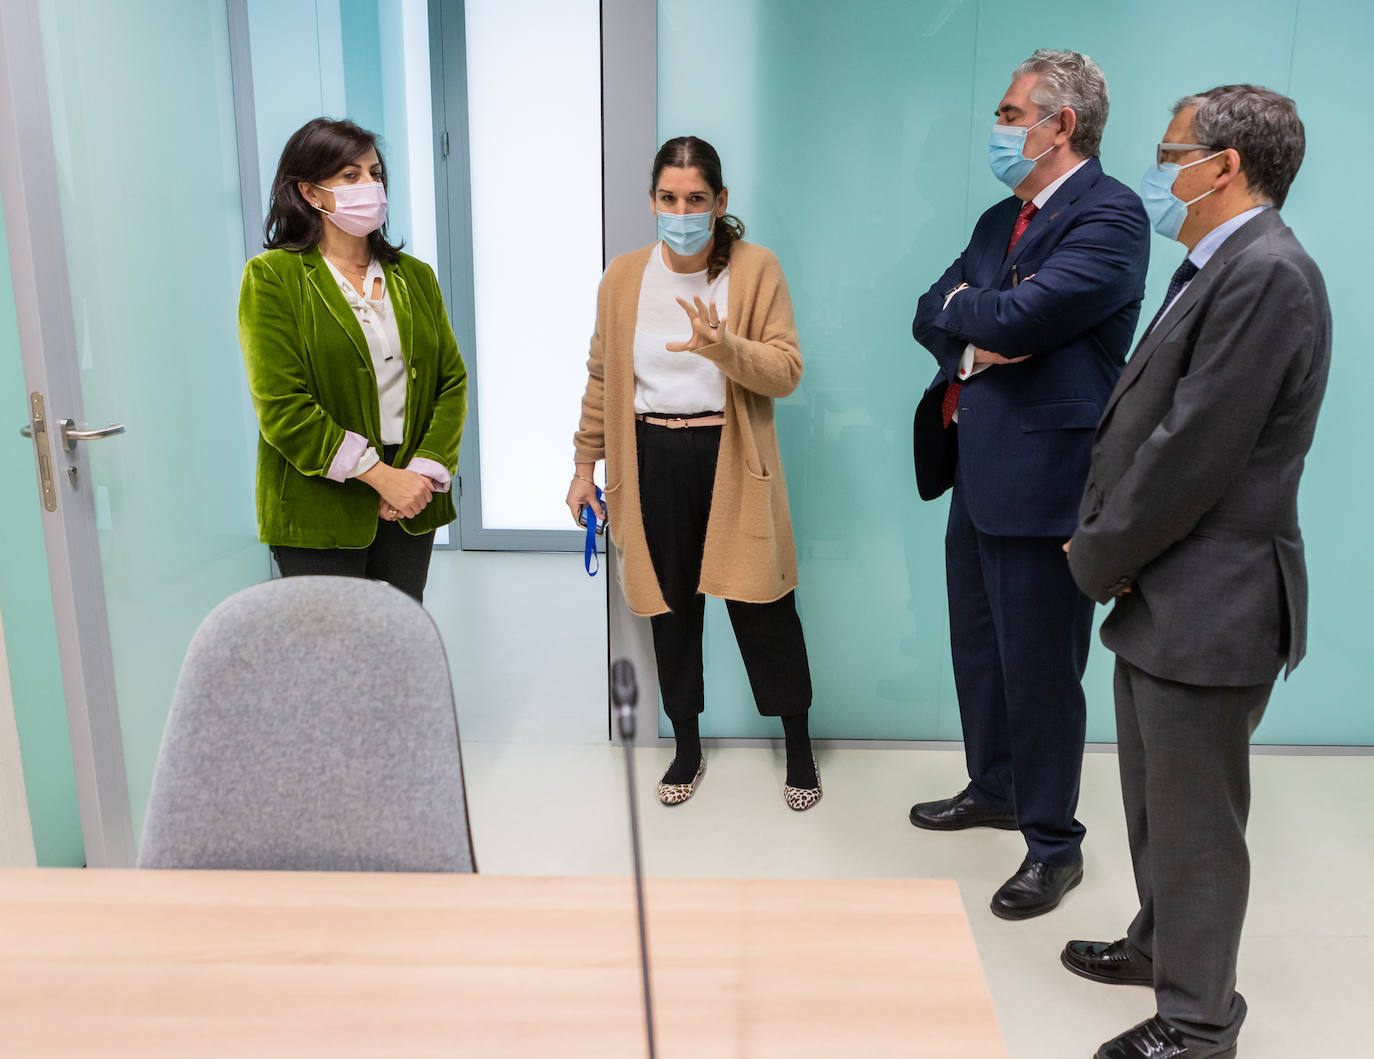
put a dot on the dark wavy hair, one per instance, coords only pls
(689, 152)
(314, 153)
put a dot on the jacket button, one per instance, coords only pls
(412, 373)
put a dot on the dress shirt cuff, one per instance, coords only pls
(950, 296)
(351, 452)
(968, 369)
(366, 462)
(435, 472)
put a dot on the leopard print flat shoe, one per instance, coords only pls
(801, 799)
(677, 793)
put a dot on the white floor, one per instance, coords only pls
(547, 796)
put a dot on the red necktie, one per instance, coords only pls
(951, 399)
(1028, 210)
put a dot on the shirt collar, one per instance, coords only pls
(1210, 243)
(1048, 192)
(375, 271)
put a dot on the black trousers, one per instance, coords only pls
(677, 472)
(394, 556)
(1019, 634)
(1185, 781)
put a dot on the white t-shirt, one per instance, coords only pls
(676, 383)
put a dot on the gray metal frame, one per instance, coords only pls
(453, 208)
(245, 125)
(47, 338)
(629, 139)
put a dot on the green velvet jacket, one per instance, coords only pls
(311, 378)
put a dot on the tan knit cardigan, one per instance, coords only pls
(749, 554)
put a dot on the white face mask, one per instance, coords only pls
(359, 209)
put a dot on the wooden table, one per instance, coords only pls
(255, 964)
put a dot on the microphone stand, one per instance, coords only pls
(624, 696)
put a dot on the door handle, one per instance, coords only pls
(70, 435)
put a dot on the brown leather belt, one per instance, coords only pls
(716, 419)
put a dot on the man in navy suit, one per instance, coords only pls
(1030, 327)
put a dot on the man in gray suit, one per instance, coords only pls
(1190, 521)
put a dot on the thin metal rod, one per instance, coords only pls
(639, 895)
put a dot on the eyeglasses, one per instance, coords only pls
(1169, 148)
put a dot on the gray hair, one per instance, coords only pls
(1263, 128)
(1070, 79)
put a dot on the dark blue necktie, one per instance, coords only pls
(1182, 276)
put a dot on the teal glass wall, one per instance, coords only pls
(337, 59)
(40, 712)
(853, 139)
(148, 176)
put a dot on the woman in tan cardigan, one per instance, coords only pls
(694, 485)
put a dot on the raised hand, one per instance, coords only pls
(707, 327)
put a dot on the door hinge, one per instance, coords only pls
(443, 144)
(460, 485)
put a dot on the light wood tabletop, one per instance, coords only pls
(251, 964)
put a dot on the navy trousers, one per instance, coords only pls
(1019, 633)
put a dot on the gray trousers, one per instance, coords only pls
(1185, 779)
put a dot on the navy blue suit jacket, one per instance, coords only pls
(1025, 430)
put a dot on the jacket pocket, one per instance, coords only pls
(1061, 415)
(756, 505)
(610, 498)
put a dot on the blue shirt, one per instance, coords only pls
(1210, 243)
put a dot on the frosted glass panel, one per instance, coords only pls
(144, 138)
(30, 633)
(534, 129)
(853, 140)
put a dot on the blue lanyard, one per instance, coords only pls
(589, 559)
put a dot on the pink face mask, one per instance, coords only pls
(359, 209)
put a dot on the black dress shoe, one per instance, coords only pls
(1035, 889)
(1156, 1039)
(959, 812)
(1113, 962)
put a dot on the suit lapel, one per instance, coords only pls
(991, 261)
(327, 287)
(1183, 308)
(1047, 220)
(1178, 312)
(401, 307)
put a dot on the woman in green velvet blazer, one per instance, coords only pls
(357, 380)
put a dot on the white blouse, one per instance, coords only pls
(677, 383)
(378, 323)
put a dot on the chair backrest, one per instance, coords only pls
(313, 728)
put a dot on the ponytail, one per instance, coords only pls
(728, 229)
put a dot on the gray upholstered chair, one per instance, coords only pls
(313, 728)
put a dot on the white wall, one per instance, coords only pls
(16, 830)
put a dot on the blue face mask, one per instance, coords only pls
(1006, 156)
(1167, 211)
(686, 233)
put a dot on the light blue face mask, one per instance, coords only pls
(686, 233)
(1006, 157)
(1167, 211)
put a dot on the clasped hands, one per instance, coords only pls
(401, 493)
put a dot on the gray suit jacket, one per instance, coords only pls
(1192, 497)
